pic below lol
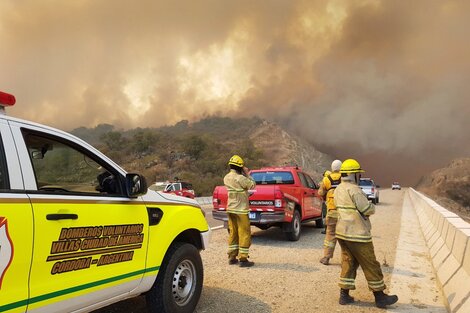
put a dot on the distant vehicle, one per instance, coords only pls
(179, 188)
(396, 185)
(183, 189)
(370, 189)
(283, 196)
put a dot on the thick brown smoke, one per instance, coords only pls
(381, 81)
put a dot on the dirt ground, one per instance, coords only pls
(287, 276)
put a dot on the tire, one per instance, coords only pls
(374, 201)
(294, 227)
(321, 222)
(183, 265)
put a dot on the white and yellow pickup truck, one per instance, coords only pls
(78, 233)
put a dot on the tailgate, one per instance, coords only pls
(262, 196)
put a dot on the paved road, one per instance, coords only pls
(212, 222)
(287, 276)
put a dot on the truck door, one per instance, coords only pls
(308, 197)
(317, 200)
(16, 229)
(90, 239)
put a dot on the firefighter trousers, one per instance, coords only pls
(239, 240)
(354, 254)
(330, 238)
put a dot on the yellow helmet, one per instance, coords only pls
(351, 166)
(237, 161)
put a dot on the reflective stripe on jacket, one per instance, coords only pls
(353, 210)
(327, 189)
(237, 189)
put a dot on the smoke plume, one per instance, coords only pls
(380, 81)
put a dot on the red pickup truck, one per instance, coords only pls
(284, 196)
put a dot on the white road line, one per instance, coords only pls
(413, 277)
(217, 227)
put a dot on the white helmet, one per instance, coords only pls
(336, 165)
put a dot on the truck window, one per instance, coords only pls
(4, 181)
(303, 180)
(366, 182)
(272, 178)
(310, 182)
(60, 167)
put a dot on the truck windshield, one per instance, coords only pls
(272, 178)
(364, 182)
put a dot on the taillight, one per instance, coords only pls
(372, 189)
(278, 197)
(215, 198)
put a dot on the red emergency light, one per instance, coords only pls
(7, 99)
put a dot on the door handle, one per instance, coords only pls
(61, 216)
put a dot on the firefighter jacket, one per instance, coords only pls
(237, 188)
(327, 189)
(354, 210)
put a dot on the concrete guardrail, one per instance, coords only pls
(448, 239)
(204, 200)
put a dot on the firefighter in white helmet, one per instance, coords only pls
(326, 190)
(238, 182)
(353, 232)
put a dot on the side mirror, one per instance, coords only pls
(136, 185)
(37, 155)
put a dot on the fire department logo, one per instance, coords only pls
(6, 248)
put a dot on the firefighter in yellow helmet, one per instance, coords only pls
(326, 190)
(238, 182)
(353, 232)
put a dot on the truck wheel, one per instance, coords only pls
(293, 233)
(179, 282)
(321, 222)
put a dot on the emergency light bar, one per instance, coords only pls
(6, 99)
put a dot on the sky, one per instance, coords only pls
(384, 82)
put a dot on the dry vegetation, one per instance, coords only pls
(198, 152)
(449, 186)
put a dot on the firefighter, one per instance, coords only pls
(325, 174)
(238, 182)
(327, 189)
(354, 236)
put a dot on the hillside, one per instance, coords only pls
(281, 148)
(199, 152)
(450, 186)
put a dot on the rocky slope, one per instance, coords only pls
(281, 148)
(450, 186)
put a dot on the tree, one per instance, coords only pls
(113, 140)
(194, 146)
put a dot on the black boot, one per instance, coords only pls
(344, 297)
(382, 299)
(246, 263)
